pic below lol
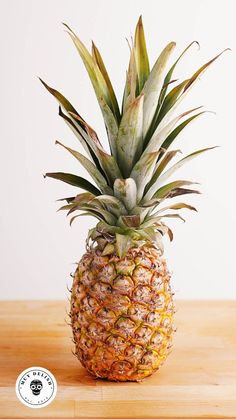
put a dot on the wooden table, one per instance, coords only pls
(198, 380)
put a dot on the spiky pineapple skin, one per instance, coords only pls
(122, 313)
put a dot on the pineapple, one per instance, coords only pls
(121, 300)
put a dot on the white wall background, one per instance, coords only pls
(38, 248)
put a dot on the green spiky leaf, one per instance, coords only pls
(170, 100)
(166, 190)
(129, 141)
(109, 166)
(107, 162)
(132, 221)
(99, 84)
(84, 214)
(79, 135)
(162, 110)
(143, 171)
(68, 200)
(179, 92)
(182, 191)
(98, 58)
(111, 128)
(108, 249)
(91, 168)
(163, 131)
(122, 244)
(153, 86)
(112, 204)
(171, 137)
(140, 54)
(74, 180)
(173, 216)
(131, 85)
(103, 214)
(161, 165)
(61, 99)
(105, 228)
(177, 206)
(170, 72)
(126, 191)
(161, 179)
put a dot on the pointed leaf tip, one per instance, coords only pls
(141, 55)
(43, 82)
(196, 42)
(67, 27)
(202, 68)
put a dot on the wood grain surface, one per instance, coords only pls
(198, 380)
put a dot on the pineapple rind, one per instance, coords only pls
(122, 313)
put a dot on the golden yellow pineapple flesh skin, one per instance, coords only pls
(122, 313)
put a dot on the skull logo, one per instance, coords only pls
(36, 386)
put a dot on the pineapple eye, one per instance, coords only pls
(153, 318)
(116, 342)
(96, 331)
(119, 302)
(142, 275)
(85, 342)
(80, 292)
(106, 316)
(138, 312)
(142, 293)
(121, 367)
(89, 302)
(125, 327)
(125, 266)
(157, 282)
(149, 359)
(87, 278)
(166, 324)
(102, 288)
(157, 338)
(123, 284)
(134, 351)
(107, 273)
(144, 261)
(142, 334)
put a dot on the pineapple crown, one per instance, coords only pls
(132, 179)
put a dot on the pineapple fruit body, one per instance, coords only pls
(122, 313)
